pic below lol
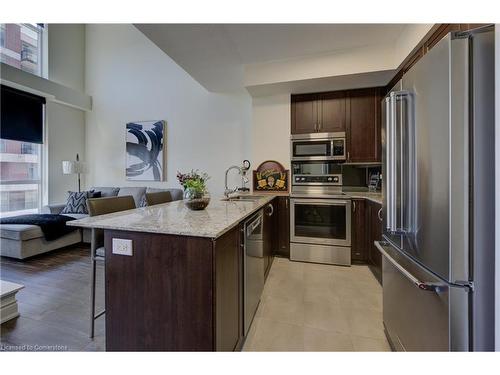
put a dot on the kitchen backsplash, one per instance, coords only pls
(358, 176)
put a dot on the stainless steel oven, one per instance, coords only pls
(318, 146)
(320, 221)
(320, 230)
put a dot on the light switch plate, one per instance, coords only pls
(122, 246)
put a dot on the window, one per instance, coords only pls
(20, 177)
(22, 46)
(28, 148)
(2, 35)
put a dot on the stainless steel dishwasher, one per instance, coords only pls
(253, 266)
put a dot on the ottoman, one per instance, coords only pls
(8, 301)
(23, 241)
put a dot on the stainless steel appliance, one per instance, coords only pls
(318, 146)
(318, 178)
(320, 214)
(438, 168)
(320, 230)
(253, 266)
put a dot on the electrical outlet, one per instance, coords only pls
(122, 246)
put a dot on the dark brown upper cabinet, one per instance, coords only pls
(363, 126)
(357, 112)
(331, 112)
(318, 113)
(304, 115)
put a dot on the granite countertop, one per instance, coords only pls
(371, 196)
(174, 218)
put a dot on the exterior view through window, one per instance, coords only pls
(20, 182)
(21, 46)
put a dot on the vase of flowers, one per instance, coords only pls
(196, 195)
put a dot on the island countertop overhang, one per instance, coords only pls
(175, 218)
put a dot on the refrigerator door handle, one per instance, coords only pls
(423, 285)
(391, 163)
(406, 131)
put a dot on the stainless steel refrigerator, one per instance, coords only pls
(438, 172)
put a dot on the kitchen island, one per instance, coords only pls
(181, 287)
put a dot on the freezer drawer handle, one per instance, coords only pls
(424, 285)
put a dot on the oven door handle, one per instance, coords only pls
(325, 202)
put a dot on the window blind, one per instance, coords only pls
(21, 115)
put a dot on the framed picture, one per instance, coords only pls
(145, 149)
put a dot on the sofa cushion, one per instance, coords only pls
(96, 194)
(136, 192)
(20, 232)
(107, 191)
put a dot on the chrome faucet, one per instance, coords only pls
(228, 191)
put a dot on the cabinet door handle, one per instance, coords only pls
(379, 214)
(353, 206)
(271, 210)
(348, 156)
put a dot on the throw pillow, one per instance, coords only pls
(76, 203)
(106, 191)
(96, 194)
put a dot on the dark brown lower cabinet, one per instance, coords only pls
(358, 231)
(270, 240)
(175, 293)
(283, 225)
(228, 291)
(374, 234)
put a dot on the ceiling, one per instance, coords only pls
(216, 54)
(264, 43)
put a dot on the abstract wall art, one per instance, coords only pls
(146, 150)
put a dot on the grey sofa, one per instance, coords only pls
(23, 241)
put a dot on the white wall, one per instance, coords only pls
(271, 129)
(67, 55)
(65, 125)
(339, 63)
(65, 138)
(131, 79)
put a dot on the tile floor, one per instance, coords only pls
(315, 307)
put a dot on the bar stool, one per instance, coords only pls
(158, 198)
(101, 206)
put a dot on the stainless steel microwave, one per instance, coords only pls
(318, 146)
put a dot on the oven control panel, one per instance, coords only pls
(329, 179)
